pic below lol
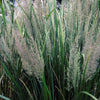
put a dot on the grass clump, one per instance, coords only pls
(50, 54)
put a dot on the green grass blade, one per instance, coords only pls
(3, 14)
(4, 98)
(12, 78)
(46, 90)
(86, 67)
(93, 97)
(19, 27)
(29, 93)
(50, 13)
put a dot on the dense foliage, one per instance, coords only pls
(48, 53)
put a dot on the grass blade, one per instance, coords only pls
(93, 97)
(3, 97)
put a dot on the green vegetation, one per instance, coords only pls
(50, 54)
